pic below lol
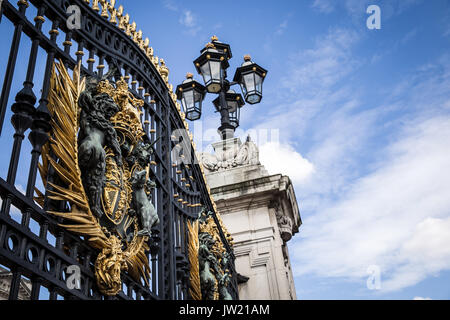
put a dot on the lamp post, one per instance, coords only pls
(212, 65)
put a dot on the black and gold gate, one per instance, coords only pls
(72, 215)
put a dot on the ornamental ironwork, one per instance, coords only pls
(103, 192)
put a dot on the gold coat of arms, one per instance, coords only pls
(101, 157)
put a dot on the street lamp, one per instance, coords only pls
(234, 103)
(251, 77)
(191, 94)
(212, 65)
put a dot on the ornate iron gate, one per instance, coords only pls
(35, 249)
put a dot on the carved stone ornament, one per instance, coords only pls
(101, 171)
(284, 222)
(230, 154)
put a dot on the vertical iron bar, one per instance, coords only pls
(11, 65)
(35, 289)
(15, 284)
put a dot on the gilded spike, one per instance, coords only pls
(113, 12)
(121, 18)
(164, 71)
(150, 53)
(104, 12)
(132, 29)
(95, 6)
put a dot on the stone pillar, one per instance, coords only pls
(261, 213)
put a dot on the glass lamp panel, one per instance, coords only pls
(197, 98)
(258, 82)
(249, 82)
(188, 99)
(215, 70)
(193, 115)
(232, 106)
(206, 73)
(244, 89)
(234, 118)
(253, 98)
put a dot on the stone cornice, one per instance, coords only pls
(259, 192)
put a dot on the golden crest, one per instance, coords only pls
(116, 195)
(117, 231)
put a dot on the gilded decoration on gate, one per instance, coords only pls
(101, 159)
(209, 260)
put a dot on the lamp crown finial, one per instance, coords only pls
(247, 57)
(189, 75)
(214, 38)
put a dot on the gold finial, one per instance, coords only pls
(121, 18)
(150, 53)
(209, 45)
(112, 11)
(146, 43)
(132, 30)
(164, 71)
(95, 6)
(155, 60)
(104, 13)
(189, 75)
(128, 26)
(214, 38)
(247, 57)
(137, 36)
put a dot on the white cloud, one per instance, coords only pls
(324, 6)
(282, 158)
(281, 28)
(379, 187)
(321, 67)
(170, 5)
(189, 21)
(397, 217)
(357, 8)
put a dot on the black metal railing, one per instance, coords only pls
(32, 244)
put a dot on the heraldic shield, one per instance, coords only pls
(101, 158)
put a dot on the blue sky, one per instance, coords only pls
(359, 119)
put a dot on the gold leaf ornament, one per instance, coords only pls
(63, 144)
(194, 272)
